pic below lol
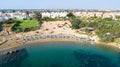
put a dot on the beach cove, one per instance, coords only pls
(51, 28)
(62, 54)
(49, 47)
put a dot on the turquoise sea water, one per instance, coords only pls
(66, 54)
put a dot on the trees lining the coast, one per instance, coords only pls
(76, 23)
(107, 29)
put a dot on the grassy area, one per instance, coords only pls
(26, 25)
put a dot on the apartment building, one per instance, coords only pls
(54, 14)
(97, 14)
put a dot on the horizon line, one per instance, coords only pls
(57, 9)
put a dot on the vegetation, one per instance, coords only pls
(70, 15)
(76, 23)
(26, 25)
(48, 19)
(117, 17)
(38, 15)
(1, 28)
(107, 29)
(53, 19)
(9, 22)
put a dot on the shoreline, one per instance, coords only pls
(42, 41)
(72, 40)
(57, 40)
(13, 48)
(114, 45)
(25, 41)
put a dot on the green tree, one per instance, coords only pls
(76, 23)
(10, 21)
(117, 17)
(70, 15)
(83, 24)
(27, 13)
(38, 15)
(107, 38)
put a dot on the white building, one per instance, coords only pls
(54, 14)
(17, 15)
(46, 14)
(97, 14)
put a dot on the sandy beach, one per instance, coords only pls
(12, 44)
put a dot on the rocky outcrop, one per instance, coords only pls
(12, 57)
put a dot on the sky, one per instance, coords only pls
(60, 4)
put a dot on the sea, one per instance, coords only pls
(63, 54)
